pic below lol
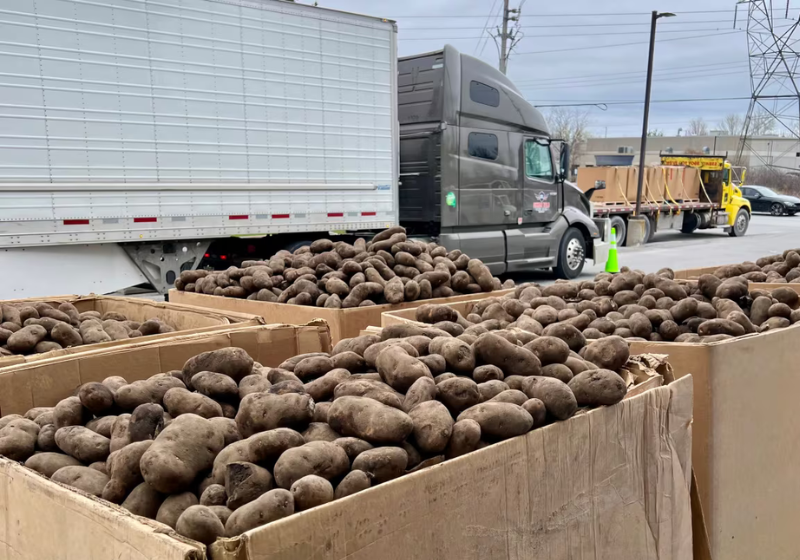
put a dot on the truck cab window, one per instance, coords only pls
(726, 176)
(538, 162)
(483, 94)
(482, 145)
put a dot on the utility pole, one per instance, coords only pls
(508, 37)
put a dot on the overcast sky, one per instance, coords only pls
(701, 55)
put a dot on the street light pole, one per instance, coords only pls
(643, 149)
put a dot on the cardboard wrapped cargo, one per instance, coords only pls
(609, 483)
(745, 439)
(616, 179)
(186, 319)
(344, 323)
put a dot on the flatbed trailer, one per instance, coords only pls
(721, 205)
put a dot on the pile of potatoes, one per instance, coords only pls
(631, 305)
(226, 445)
(35, 328)
(388, 269)
(773, 269)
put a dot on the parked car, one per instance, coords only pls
(764, 199)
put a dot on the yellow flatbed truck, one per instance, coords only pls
(720, 203)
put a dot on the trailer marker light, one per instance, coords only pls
(280, 216)
(76, 222)
(143, 220)
(238, 217)
(336, 214)
(206, 255)
(368, 213)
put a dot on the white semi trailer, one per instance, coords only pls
(135, 132)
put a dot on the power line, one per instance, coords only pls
(625, 44)
(604, 14)
(742, 72)
(596, 103)
(604, 34)
(643, 23)
(688, 68)
(484, 33)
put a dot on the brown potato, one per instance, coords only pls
(513, 396)
(321, 458)
(458, 355)
(244, 482)
(598, 387)
(369, 420)
(311, 491)
(144, 500)
(69, 412)
(259, 412)
(320, 431)
(200, 523)
(353, 446)
(458, 393)
(185, 448)
(465, 438)
(382, 464)
(490, 389)
(48, 463)
(499, 420)
(556, 395)
(433, 426)
(83, 478)
(513, 360)
(400, 370)
(423, 389)
(611, 352)
(233, 362)
(354, 482)
(179, 401)
(568, 333)
(82, 443)
(124, 471)
(369, 388)
(537, 410)
(214, 495)
(549, 349)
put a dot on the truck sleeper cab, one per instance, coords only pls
(477, 170)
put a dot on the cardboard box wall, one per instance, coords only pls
(745, 436)
(609, 483)
(186, 319)
(45, 382)
(344, 323)
(745, 440)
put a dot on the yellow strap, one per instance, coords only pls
(700, 177)
(619, 188)
(666, 188)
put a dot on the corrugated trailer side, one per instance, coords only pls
(145, 121)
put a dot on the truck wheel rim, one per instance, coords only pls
(574, 254)
(741, 222)
(777, 210)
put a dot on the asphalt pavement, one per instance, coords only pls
(766, 235)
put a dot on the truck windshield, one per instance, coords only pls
(726, 176)
(538, 163)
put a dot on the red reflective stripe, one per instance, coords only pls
(143, 220)
(336, 214)
(367, 213)
(280, 216)
(238, 217)
(76, 222)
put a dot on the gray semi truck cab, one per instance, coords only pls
(479, 171)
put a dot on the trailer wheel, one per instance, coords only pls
(571, 254)
(740, 225)
(619, 224)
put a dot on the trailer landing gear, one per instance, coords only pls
(161, 263)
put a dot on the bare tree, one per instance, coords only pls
(697, 127)
(761, 124)
(732, 124)
(572, 126)
(655, 133)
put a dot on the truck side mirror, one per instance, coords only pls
(564, 162)
(599, 185)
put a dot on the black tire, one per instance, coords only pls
(295, 245)
(690, 223)
(618, 223)
(777, 209)
(571, 254)
(740, 225)
(651, 223)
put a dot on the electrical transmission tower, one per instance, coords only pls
(772, 41)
